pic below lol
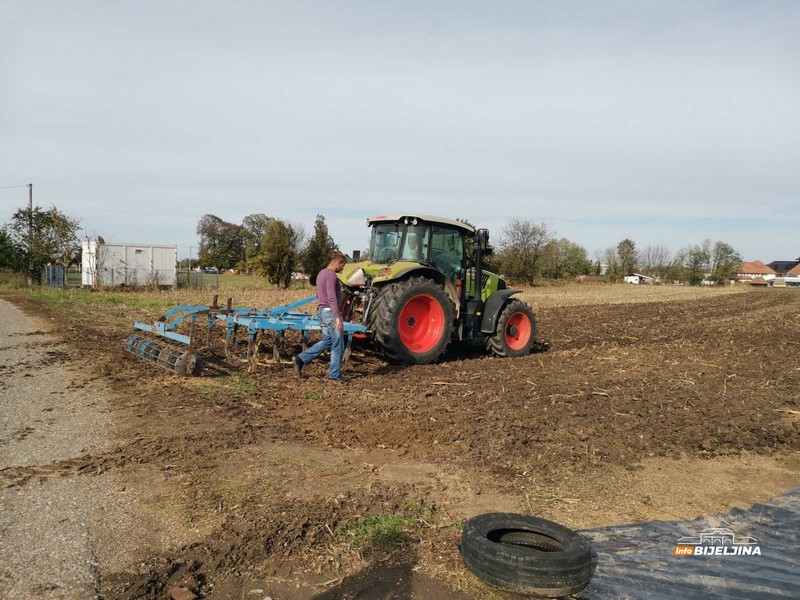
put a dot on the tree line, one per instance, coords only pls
(38, 237)
(528, 252)
(525, 251)
(270, 247)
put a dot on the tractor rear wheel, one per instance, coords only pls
(412, 321)
(516, 330)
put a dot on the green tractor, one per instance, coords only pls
(417, 293)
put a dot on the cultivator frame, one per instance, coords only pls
(258, 322)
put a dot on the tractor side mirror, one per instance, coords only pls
(483, 237)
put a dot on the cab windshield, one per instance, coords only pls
(395, 241)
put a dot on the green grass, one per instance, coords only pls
(13, 280)
(85, 297)
(382, 532)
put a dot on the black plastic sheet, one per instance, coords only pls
(638, 560)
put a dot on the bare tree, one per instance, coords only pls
(654, 260)
(613, 271)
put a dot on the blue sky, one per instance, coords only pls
(665, 122)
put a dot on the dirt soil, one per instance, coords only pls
(624, 413)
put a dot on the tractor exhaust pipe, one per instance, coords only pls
(176, 361)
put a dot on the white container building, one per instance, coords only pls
(128, 264)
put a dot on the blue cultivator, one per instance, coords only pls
(193, 319)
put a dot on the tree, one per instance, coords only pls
(318, 251)
(626, 254)
(254, 229)
(613, 271)
(222, 244)
(694, 260)
(724, 261)
(655, 260)
(522, 244)
(10, 257)
(53, 238)
(563, 258)
(280, 252)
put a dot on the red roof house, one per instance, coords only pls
(749, 271)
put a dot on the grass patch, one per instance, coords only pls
(313, 396)
(87, 298)
(382, 532)
(13, 280)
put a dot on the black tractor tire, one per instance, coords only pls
(526, 555)
(515, 333)
(412, 321)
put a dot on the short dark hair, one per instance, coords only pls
(338, 257)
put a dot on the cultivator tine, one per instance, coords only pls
(252, 350)
(230, 340)
(179, 321)
(191, 332)
(276, 346)
(348, 349)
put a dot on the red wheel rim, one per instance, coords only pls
(518, 331)
(421, 323)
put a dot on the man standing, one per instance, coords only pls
(329, 297)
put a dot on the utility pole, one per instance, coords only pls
(30, 234)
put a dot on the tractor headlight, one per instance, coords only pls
(385, 272)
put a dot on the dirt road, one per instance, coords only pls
(59, 528)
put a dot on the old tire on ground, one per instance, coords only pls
(412, 321)
(515, 333)
(526, 555)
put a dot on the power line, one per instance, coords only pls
(8, 187)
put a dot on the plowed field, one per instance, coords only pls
(621, 413)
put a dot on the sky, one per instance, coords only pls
(663, 122)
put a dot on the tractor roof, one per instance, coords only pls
(466, 228)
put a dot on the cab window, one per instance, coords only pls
(447, 251)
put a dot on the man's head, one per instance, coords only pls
(337, 262)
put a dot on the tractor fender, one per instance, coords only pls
(494, 305)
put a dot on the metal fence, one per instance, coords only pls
(198, 279)
(59, 277)
(54, 276)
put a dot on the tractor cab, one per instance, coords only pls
(426, 241)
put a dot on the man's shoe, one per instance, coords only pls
(298, 365)
(339, 381)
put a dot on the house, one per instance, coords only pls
(748, 271)
(638, 278)
(782, 267)
(792, 278)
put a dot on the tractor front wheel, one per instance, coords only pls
(516, 330)
(412, 321)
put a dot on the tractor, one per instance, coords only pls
(417, 292)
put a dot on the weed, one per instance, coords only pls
(313, 396)
(380, 532)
